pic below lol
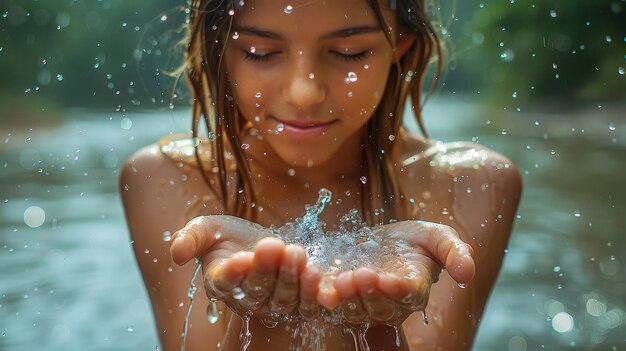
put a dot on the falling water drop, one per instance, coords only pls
(212, 312)
(424, 317)
(553, 13)
(235, 35)
(612, 127)
(363, 179)
(245, 336)
(398, 339)
(351, 78)
(238, 294)
(167, 236)
(288, 9)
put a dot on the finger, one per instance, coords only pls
(412, 293)
(377, 305)
(351, 306)
(327, 295)
(443, 243)
(259, 284)
(286, 296)
(222, 279)
(309, 282)
(201, 233)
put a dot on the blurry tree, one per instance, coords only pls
(107, 53)
(116, 53)
(535, 50)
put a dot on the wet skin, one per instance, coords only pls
(465, 231)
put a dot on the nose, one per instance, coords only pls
(303, 87)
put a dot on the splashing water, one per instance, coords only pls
(352, 246)
(191, 293)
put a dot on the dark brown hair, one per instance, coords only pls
(208, 33)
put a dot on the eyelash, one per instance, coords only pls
(353, 57)
(350, 58)
(257, 58)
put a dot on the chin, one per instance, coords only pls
(297, 159)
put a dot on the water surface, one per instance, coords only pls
(71, 283)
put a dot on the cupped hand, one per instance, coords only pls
(272, 280)
(401, 285)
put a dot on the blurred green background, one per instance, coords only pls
(115, 53)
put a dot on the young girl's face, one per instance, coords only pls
(308, 73)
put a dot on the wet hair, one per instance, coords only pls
(209, 27)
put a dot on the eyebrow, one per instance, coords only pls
(341, 33)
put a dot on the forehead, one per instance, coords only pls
(298, 16)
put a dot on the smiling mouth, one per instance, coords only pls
(303, 128)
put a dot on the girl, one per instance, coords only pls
(298, 95)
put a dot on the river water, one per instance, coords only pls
(68, 279)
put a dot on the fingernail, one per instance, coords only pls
(178, 250)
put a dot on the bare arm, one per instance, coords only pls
(156, 199)
(483, 216)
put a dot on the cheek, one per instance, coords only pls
(366, 92)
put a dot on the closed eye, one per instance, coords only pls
(258, 58)
(351, 57)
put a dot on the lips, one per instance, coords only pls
(304, 129)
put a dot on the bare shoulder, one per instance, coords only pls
(460, 162)
(465, 185)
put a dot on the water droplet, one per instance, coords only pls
(288, 9)
(167, 236)
(577, 213)
(556, 269)
(424, 317)
(235, 35)
(553, 13)
(34, 216)
(311, 75)
(291, 172)
(462, 286)
(363, 180)
(252, 49)
(59, 77)
(126, 123)
(212, 312)
(620, 70)
(191, 292)
(514, 95)
(163, 18)
(351, 78)
(245, 146)
(130, 329)
(280, 127)
(612, 127)
(398, 339)
(608, 39)
(392, 137)
(238, 294)
(257, 95)
(231, 12)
